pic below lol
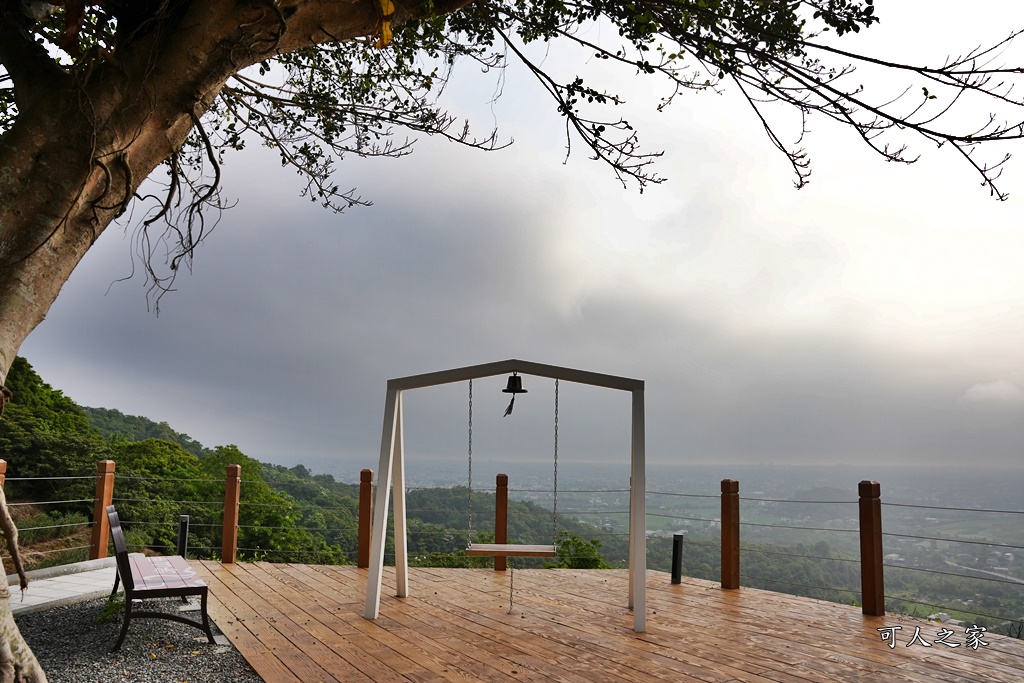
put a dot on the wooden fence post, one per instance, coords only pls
(3, 473)
(232, 492)
(500, 517)
(872, 585)
(730, 533)
(104, 497)
(365, 518)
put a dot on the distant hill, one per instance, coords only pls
(111, 423)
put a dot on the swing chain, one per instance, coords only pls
(554, 516)
(511, 581)
(469, 527)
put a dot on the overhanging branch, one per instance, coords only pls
(28, 65)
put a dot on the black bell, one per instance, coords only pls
(515, 385)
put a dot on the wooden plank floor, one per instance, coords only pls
(304, 623)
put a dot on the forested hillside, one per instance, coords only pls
(52, 450)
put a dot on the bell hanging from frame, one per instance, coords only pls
(515, 385)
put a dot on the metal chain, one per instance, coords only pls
(469, 527)
(511, 581)
(554, 517)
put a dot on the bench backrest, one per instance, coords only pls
(124, 567)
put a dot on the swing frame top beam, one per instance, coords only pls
(391, 474)
(505, 367)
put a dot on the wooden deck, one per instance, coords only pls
(304, 623)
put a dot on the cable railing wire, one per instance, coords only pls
(955, 540)
(304, 504)
(281, 551)
(297, 528)
(591, 513)
(959, 576)
(25, 530)
(55, 550)
(894, 600)
(179, 502)
(173, 549)
(812, 502)
(53, 502)
(290, 506)
(46, 478)
(689, 540)
(747, 549)
(428, 553)
(938, 507)
(445, 488)
(801, 528)
(679, 495)
(174, 522)
(307, 483)
(434, 512)
(689, 519)
(134, 478)
(799, 585)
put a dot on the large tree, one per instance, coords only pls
(96, 94)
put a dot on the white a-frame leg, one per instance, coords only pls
(392, 466)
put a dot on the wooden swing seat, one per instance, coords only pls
(510, 550)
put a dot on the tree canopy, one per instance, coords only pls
(136, 85)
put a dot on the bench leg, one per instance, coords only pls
(124, 626)
(117, 579)
(206, 617)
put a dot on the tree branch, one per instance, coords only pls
(34, 73)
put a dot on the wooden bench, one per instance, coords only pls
(153, 577)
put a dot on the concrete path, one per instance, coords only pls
(63, 585)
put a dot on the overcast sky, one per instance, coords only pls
(875, 316)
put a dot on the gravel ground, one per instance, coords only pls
(73, 646)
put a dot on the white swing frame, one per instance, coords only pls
(391, 473)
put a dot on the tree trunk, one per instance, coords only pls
(17, 662)
(86, 138)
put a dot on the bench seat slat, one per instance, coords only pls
(510, 550)
(155, 573)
